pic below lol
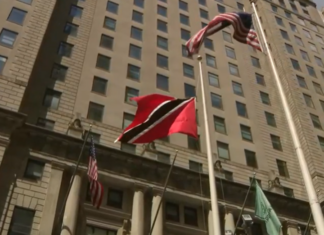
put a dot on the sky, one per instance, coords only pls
(319, 3)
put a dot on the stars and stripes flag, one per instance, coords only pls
(243, 31)
(96, 188)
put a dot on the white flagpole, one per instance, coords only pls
(312, 196)
(212, 181)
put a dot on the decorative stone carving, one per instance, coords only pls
(75, 128)
(274, 183)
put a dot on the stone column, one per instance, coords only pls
(229, 222)
(71, 208)
(210, 222)
(138, 210)
(158, 227)
(47, 221)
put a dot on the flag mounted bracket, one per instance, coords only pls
(150, 147)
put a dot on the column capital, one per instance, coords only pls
(137, 186)
(157, 191)
(58, 166)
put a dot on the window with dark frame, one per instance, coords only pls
(65, 49)
(172, 212)
(106, 41)
(133, 72)
(112, 7)
(110, 23)
(250, 158)
(76, 11)
(115, 198)
(190, 216)
(99, 85)
(59, 72)
(162, 82)
(8, 37)
(21, 221)
(71, 29)
(34, 169)
(103, 62)
(17, 16)
(52, 99)
(95, 111)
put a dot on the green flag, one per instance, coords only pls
(264, 211)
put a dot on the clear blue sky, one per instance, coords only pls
(319, 3)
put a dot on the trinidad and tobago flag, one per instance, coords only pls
(158, 116)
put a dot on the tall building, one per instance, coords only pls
(65, 65)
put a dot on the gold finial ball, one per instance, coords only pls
(199, 58)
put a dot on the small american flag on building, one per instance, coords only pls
(96, 188)
(243, 31)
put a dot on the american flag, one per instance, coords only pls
(243, 31)
(96, 188)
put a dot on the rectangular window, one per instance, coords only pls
(95, 112)
(211, 61)
(139, 3)
(202, 2)
(230, 52)
(293, 28)
(7, 37)
(115, 198)
(265, 98)
(308, 101)
(65, 49)
(185, 34)
(136, 33)
(290, 49)
(183, 5)
(106, 42)
(58, 72)
(255, 62)
(76, 11)
(312, 47)
(276, 143)
(162, 61)
(241, 109)
(282, 168)
(250, 159)
(188, 70)
(71, 29)
(221, 9)
(304, 55)
(290, 193)
(162, 11)
(216, 101)
(233, 69)
(34, 169)
(162, 82)
(17, 16)
(21, 221)
(99, 85)
(172, 212)
(307, 34)
(318, 88)
(162, 26)
(193, 143)
(260, 79)
(295, 64)
(319, 61)
(137, 17)
(110, 23)
(163, 157)
(208, 43)
(227, 36)
(246, 133)
(299, 41)
(127, 120)
(135, 52)
(162, 42)
(237, 88)
(3, 61)
(316, 121)
(52, 99)
(240, 6)
(220, 125)
(184, 19)
(301, 81)
(184, 51)
(45, 123)
(103, 62)
(321, 141)
(112, 7)
(284, 34)
(190, 91)
(29, 2)
(203, 14)
(223, 150)
(129, 94)
(190, 216)
(311, 71)
(271, 121)
(128, 148)
(274, 8)
(279, 21)
(213, 80)
(133, 72)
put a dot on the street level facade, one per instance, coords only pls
(66, 65)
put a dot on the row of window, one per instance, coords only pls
(293, 7)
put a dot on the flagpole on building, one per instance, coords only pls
(73, 175)
(162, 196)
(212, 181)
(312, 196)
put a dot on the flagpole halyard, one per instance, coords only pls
(310, 189)
(212, 181)
(60, 218)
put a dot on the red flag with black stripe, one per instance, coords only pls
(158, 116)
